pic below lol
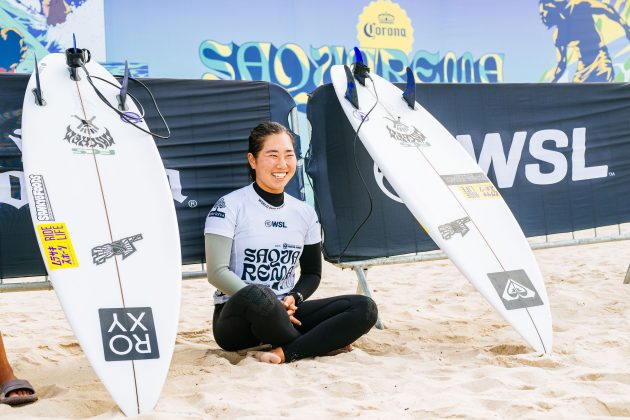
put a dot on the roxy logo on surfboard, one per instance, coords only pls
(88, 134)
(406, 135)
(124, 247)
(515, 289)
(128, 334)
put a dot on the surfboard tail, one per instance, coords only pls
(351, 89)
(409, 95)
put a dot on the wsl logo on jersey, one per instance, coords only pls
(275, 224)
(88, 134)
(408, 136)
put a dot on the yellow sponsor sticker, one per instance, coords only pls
(58, 250)
(478, 191)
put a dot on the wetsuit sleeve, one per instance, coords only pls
(310, 270)
(218, 249)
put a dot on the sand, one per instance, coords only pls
(444, 354)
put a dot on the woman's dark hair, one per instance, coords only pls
(257, 139)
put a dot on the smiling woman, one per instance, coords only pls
(255, 237)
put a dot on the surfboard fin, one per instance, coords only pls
(39, 98)
(351, 90)
(409, 95)
(360, 71)
(75, 58)
(122, 96)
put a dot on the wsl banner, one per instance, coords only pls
(294, 44)
(558, 154)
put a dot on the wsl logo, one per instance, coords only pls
(385, 25)
(88, 134)
(408, 136)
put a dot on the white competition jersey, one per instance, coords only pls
(267, 240)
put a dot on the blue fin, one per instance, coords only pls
(360, 71)
(409, 95)
(351, 90)
(122, 96)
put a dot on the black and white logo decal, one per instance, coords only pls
(408, 136)
(128, 334)
(515, 289)
(457, 226)
(88, 134)
(215, 212)
(123, 247)
(43, 209)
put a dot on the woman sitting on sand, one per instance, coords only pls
(254, 238)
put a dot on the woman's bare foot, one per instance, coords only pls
(275, 356)
(344, 349)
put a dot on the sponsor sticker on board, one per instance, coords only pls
(57, 246)
(43, 208)
(475, 186)
(128, 334)
(123, 247)
(515, 289)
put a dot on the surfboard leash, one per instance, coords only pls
(356, 164)
(122, 114)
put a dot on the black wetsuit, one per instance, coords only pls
(254, 315)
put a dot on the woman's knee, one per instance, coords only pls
(368, 309)
(261, 300)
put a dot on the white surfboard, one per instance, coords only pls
(454, 201)
(106, 225)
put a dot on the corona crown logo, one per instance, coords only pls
(385, 25)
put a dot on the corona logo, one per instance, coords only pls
(385, 25)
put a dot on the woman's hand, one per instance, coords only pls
(289, 304)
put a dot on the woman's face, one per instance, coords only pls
(275, 163)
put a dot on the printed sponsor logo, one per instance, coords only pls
(268, 206)
(271, 267)
(544, 146)
(457, 226)
(384, 24)
(124, 247)
(289, 246)
(57, 246)
(406, 135)
(43, 208)
(84, 151)
(475, 186)
(515, 289)
(361, 116)
(215, 212)
(88, 134)
(275, 224)
(128, 334)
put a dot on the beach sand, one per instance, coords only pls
(444, 353)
